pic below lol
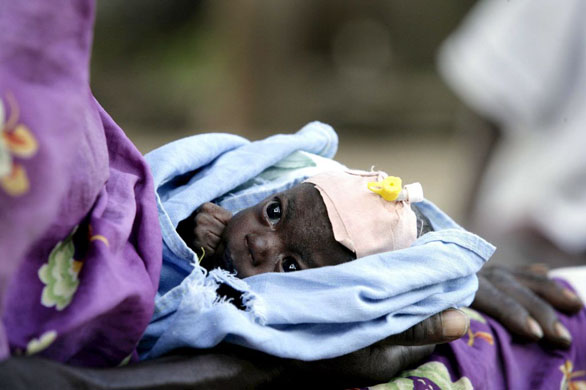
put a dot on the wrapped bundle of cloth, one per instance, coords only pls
(373, 261)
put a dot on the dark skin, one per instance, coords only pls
(231, 369)
(234, 367)
(509, 296)
(525, 301)
(258, 240)
(286, 232)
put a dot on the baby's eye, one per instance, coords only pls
(290, 265)
(274, 211)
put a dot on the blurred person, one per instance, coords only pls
(521, 65)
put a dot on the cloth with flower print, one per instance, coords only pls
(80, 244)
(489, 357)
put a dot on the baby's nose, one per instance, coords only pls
(264, 249)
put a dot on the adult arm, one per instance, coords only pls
(230, 366)
(509, 296)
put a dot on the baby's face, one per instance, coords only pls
(287, 232)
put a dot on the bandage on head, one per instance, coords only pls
(369, 211)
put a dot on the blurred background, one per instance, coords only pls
(371, 69)
(168, 69)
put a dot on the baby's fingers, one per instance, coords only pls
(207, 241)
(218, 213)
(205, 222)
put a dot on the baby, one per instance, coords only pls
(331, 218)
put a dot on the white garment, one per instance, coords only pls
(522, 64)
(576, 276)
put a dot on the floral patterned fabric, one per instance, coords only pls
(16, 141)
(490, 358)
(80, 243)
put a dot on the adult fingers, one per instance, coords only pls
(372, 365)
(383, 360)
(387, 361)
(551, 291)
(553, 330)
(446, 326)
(506, 310)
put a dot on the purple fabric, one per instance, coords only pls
(80, 244)
(490, 358)
(509, 364)
(83, 298)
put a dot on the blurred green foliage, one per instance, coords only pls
(256, 67)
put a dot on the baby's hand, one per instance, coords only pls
(204, 228)
(210, 222)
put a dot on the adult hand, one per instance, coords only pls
(524, 301)
(236, 367)
(382, 361)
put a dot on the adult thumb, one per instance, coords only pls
(449, 325)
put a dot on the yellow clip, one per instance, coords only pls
(389, 188)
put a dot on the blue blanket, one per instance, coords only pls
(312, 314)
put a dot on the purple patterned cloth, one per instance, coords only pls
(80, 242)
(488, 357)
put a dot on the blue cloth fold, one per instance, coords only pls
(312, 314)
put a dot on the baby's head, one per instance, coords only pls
(286, 232)
(329, 219)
